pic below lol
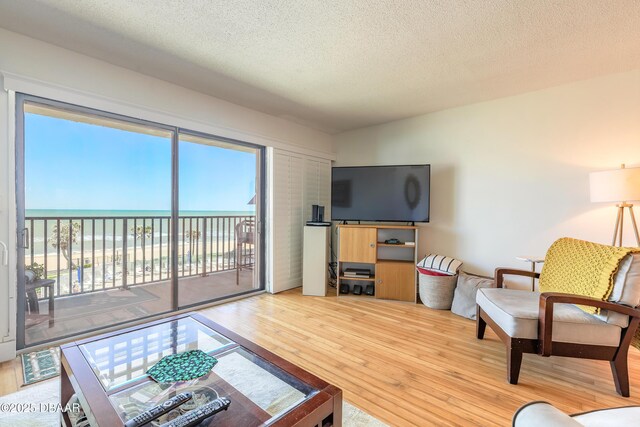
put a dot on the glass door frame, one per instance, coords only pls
(260, 212)
(22, 239)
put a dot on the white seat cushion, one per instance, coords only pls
(516, 313)
(614, 318)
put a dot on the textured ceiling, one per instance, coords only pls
(339, 65)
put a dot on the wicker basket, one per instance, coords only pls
(437, 291)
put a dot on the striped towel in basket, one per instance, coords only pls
(440, 264)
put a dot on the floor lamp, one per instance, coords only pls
(620, 185)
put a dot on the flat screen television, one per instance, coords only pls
(381, 193)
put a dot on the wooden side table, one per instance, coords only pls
(533, 260)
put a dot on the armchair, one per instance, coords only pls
(552, 324)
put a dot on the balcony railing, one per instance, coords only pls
(89, 254)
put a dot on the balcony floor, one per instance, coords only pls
(79, 313)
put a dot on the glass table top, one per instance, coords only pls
(125, 358)
(258, 390)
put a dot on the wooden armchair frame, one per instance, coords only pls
(544, 344)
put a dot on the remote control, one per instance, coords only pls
(196, 416)
(153, 413)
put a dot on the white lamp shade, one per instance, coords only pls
(621, 185)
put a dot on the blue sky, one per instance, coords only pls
(71, 165)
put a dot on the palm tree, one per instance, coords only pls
(64, 236)
(139, 231)
(192, 237)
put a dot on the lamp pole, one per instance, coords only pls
(617, 231)
(620, 186)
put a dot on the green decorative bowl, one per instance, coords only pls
(182, 367)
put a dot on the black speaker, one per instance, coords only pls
(369, 290)
(317, 213)
(357, 290)
(344, 288)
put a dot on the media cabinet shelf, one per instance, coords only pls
(394, 274)
(364, 279)
(389, 245)
(361, 296)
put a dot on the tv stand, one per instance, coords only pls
(391, 266)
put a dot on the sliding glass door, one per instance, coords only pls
(219, 198)
(121, 219)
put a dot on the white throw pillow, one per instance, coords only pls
(626, 283)
(464, 296)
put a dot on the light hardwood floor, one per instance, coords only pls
(410, 365)
(10, 376)
(407, 364)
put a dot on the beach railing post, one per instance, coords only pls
(124, 255)
(204, 247)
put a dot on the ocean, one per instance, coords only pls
(105, 229)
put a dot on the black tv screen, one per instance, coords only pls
(380, 193)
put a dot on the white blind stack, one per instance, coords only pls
(298, 181)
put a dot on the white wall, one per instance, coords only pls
(70, 75)
(510, 176)
(41, 69)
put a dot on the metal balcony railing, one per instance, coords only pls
(89, 254)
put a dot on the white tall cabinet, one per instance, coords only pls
(315, 268)
(297, 181)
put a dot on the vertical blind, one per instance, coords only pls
(298, 181)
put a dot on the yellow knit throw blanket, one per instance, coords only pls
(583, 268)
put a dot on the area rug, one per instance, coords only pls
(40, 365)
(40, 395)
(354, 417)
(48, 393)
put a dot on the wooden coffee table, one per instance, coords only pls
(108, 375)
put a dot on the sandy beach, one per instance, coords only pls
(220, 255)
(156, 252)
